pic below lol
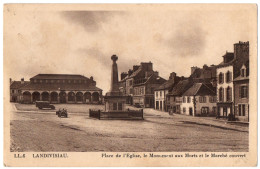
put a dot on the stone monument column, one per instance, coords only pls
(114, 75)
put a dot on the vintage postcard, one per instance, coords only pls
(130, 85)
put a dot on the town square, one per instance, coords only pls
(34, 130)
(107, 79)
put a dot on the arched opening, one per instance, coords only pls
(36, 96)
(95, 97)
(62, 97)
(54, 97)
(71, 96)
(79, 97)
(45, 96)
(87, 97)
(27, 97)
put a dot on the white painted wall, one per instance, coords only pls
(160, 97)
(187, 105)
(224, 85)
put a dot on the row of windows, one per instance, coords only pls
(59, 81)
(243, 93)
(202, 99)
(184, 99)
(14, 91)
(228, 78)
(228, 94)
(158, 92)
(139, 91)
(204, 110)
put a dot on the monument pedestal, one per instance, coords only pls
(115, 101)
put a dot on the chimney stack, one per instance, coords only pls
(193, 68)
(123, 75)
(130, 72)
(22, 80)
(135, 67)
(172, 75)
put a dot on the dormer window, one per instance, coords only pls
(243, 71)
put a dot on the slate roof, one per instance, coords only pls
(200, 89)
(59, 76)
(181, 87)
(57, 86)
(157, 79)
(18, 84)
(239, 78)
(167, 85)
(135, 73)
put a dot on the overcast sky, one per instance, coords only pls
(82, 42)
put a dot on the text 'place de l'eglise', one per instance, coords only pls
(221, 89)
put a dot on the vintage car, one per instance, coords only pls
(62, 113)
(44, 104)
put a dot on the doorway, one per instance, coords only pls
(190, 111)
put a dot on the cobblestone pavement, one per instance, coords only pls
(42, 130)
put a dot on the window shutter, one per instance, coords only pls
(223, 77)
(240, 91)
(246, 92)
(230, 94)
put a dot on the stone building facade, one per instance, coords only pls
(139, 84)
(59, 88)
(227, 71)
(162, 91)
(241, 96)
(199, 100)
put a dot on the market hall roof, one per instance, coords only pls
(59, 76)
(59, 86)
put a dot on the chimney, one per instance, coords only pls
(205, 66)
(123, 75)
(193, 68)
(22, 80)
(91, 78)
(156, 73)
(10, 81)
(135, 67)
(130, 72)
(172, 75)
(147, 66)
(241, 50)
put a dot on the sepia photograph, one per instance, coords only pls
(141, 81)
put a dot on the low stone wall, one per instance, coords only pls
(128, 114)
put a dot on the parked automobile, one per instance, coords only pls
(62, 113)
(44, 104)
(137, 105)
